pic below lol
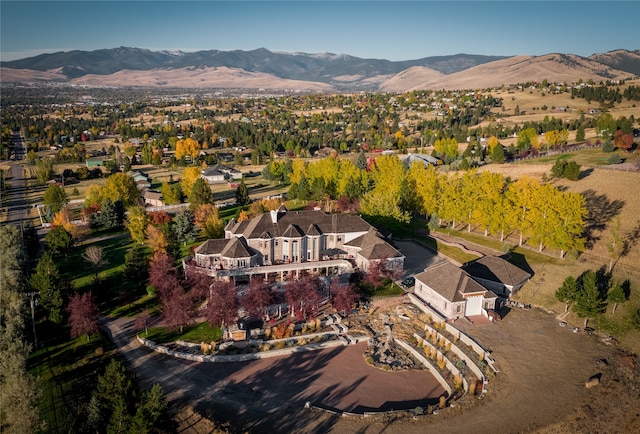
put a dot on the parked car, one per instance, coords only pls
(249, 323)
(408, 282)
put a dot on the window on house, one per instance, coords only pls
(339, 237)
(458, 308)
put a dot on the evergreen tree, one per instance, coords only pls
(184, 227)
(497, 154)
(200, 193)
(580, 134)
(136, 262)
(361, 161)
(112, 387)
(571, 171)
(48, 282)
(616, 296)
(19, 391)
(567, 292)
(589, 300)
(58, 240)
(112, 214)
(151, 416)
(242, 194)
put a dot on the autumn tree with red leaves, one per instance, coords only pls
(163, 274)
(178, 309)
(159, 218)
(257, 298)
(83, 315)
(623, 140)
(343, 297)
(302, 296)
(222, 307)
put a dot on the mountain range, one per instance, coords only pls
(322, 72)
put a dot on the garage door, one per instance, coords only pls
(474, 306)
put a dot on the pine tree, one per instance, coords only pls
(616, 296)
(49, 283)
(184, 227)
(589, 300)
(242, 194)
(19, 391)
(567, 293)
(200, 193)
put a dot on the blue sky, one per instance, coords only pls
(394, 30)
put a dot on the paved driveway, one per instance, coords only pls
(269, 395)
(417, 256)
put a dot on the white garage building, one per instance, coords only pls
(452, 292)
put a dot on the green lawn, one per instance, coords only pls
(67, 371)
(196, 333)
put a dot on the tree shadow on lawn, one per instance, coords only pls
(601, 210)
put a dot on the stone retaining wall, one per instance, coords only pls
(239, 357)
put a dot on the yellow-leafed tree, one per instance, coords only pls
(187, 147)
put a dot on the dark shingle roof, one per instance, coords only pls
(325, 223)
(497, 269)
(236, 248)
(373, 246)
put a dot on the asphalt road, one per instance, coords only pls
(15, 204)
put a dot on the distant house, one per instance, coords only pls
(212, 175)
(95, 161)
(453, 292)
(153, 198)
(219, 174)
(143, 183)
(423, 158)
(498, 275)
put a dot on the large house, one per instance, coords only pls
(281, 242)
(453, 292)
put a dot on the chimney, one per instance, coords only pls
(274, 216)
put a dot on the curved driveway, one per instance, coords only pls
(268, 395)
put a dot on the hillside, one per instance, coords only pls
(323, 72)
(520, 69)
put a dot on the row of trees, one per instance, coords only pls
(539, 213)
(19, 391)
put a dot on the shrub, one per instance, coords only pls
(572, 171)
(279, 345)
(458, 381)
(448, 346)
(441, 363)
(386, 367)
(460, 364)
(434, 353)
(472, 388)
(369, 360)
(614, 159)
(419, 411)
(267, 333)
(608, 146)
(265, 347)
(443, 402)
(151, 290)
